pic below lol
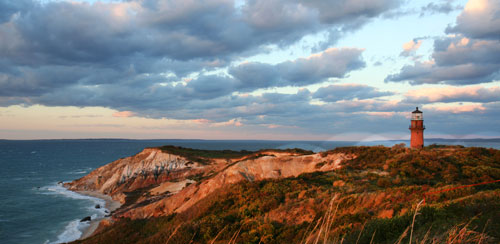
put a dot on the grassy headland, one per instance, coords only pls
(376, 197)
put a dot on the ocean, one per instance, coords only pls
(34, 208)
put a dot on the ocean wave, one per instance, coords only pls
(77, 172)
(80, 171)
(58, 189)
(74, 229)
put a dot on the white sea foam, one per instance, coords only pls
(58, 189)
(80, 171)
(74, 229)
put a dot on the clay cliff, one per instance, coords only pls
(346, 195)
(157, 182)
(150, 167)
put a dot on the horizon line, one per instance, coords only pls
(194, 139)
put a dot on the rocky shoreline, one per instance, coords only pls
(111, 205)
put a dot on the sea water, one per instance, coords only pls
(35, 208)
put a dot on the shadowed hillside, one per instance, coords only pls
(346, 195)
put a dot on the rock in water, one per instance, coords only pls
(97, 206)
(88, 218)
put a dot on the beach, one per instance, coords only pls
(111, 205)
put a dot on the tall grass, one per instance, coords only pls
(457, 234)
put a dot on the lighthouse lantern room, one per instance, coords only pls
(417, 129)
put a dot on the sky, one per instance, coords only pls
(248, 69)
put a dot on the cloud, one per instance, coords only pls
(411, 47)
(254, 75)
(479, 19)
(454, 94)
(444, 7)
(208, 87)
(457, 109)
(471, 55)
(331, 63)
(10, 7)
(456, 60)
(275, 18)
(110, 32)
(231, 122)
(350, 11)
(430, 73)
(133, 55)
(335, 93)
(124, 114)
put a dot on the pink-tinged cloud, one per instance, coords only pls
(411, 47)
(274, 126)
(458, 109)
(380, 114)
(201, 121)
(454, 94)
(124, 114)
(232, 122)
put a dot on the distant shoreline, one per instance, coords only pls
(249, 140)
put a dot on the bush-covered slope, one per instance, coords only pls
(372, 198)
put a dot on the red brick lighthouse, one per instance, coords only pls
(417, 129)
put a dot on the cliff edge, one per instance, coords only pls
(439, 194)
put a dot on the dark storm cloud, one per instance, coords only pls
(335, 93)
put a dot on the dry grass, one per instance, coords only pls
(173, 233)
(414, 216)
(458, 234)
(324, 223)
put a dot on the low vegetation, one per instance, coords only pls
(204, 156)
(377, 197)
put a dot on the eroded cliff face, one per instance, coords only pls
(165, 183)
(148, 168)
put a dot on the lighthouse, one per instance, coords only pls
(417, 129)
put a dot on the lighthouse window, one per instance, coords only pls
(417, 117)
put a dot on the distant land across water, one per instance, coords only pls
(35, 209)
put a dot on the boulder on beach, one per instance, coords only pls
(88, 218)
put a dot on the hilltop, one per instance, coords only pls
(351, 194)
